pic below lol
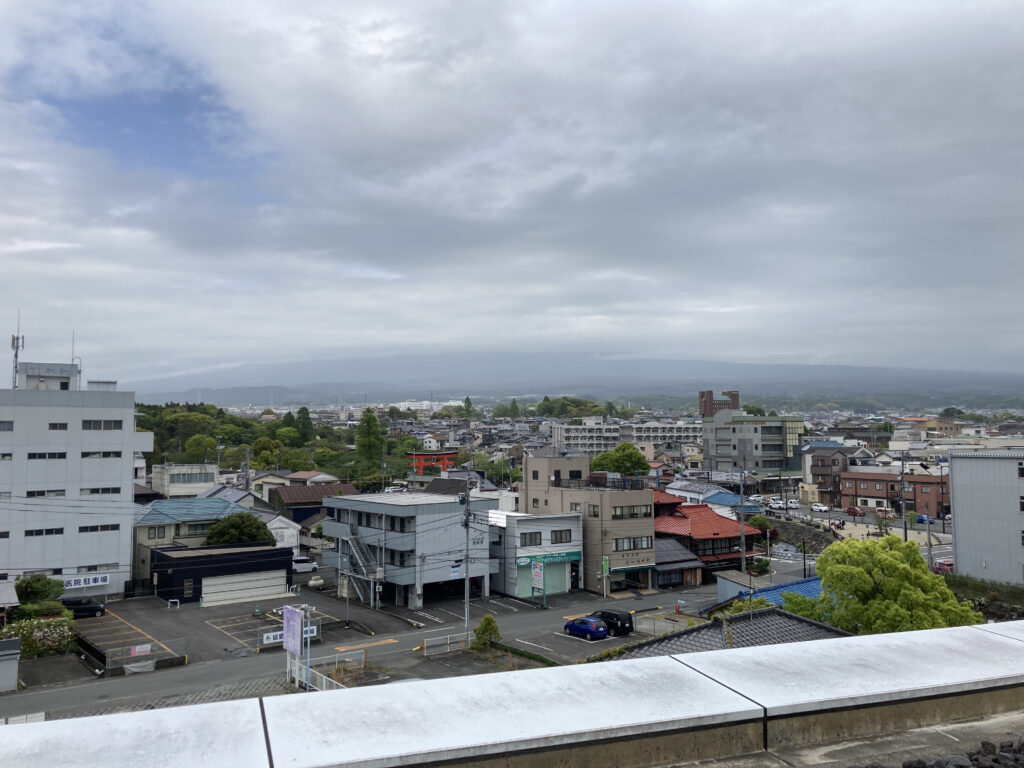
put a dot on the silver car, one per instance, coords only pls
(303, 565)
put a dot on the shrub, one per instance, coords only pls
(40, 637)
(38, 588)
(486, 633)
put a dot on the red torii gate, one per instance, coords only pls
(422, 459)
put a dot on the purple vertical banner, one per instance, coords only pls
(292, 630)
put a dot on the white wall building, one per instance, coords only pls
(66, 470)
(548, 547)
(183, 481)
(596, 435)
(987, 504)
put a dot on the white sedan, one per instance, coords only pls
(793, 504)
(819, 507)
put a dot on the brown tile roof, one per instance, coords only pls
(308, 494)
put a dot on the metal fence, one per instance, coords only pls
(143, 657)
(324, 674)
(434, 646)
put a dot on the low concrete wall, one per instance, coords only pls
(641, 712)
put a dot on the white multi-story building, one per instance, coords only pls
(596, 435)
(987, 504)
(66, 472)
(183, 481)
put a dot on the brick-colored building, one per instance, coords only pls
(925, 494)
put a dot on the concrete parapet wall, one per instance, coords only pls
(641, 712)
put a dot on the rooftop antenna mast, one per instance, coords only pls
(74, 358)
(17, 344)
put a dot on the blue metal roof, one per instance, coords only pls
(807, 587)
(164, 511)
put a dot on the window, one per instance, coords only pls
(5, 534)
(529, 539)
(848, 484)
(635, 542)
(45, 532)
(105, 491)
(574, 506)
(6, 456)
(536, 503)
(1022, 538)
(1022, 503)
(634, 511)
(192, 477)
(186, 588)
(878, 486)
(105, 424)
(196, 529)
(575, 474)
(117, 455)
(926, 489)
(561, 537)
(50, 455)
(98, 528)
(863, 486)
(38, 494)
(99, 567)
(6, 426)
(535, 474)
(594, 510)
(5, 494)
(151, 532)
(58, 426)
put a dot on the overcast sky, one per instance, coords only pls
(192, 184)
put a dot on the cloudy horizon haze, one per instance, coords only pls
(195, 186)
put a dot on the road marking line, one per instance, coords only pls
(576, 616)
(144, 634)
(456, 615)
(535, 645)
(343, 648)
(505, 605)
(428, 616)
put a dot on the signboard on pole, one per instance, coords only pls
(606, 565)
(292, 630)
(537, 575)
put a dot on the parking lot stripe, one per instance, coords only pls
(343, 648)
(575, 616)
(144, 634)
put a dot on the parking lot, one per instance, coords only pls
(120, 639)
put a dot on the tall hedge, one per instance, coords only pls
(40, 637)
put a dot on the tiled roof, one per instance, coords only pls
(698, 521)
(234, 495)
(163, 511)
(661, 497)
(671, 552)
(306, 494)
(767, 626)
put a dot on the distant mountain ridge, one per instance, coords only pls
(450, 375)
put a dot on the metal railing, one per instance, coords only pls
(434, 646)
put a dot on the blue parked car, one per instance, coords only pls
(589, 627)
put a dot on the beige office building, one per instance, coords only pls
(618, 518)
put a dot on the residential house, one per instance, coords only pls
(710, 536)
(264, 482)
(676, 566)
(299, 502)
(879, 489)
(173, 523)
(239, 496)
(823, 467)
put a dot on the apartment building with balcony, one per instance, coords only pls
(596, 434)
(618, 517)
(734, 441)
(66, 478)
(401, 547)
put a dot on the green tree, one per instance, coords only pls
(304, 423)
(513, 409)
(369, 440)
(486, 633)
(239, 528)
(201, 449)
(610, 409)
(267, 412)
(296, 459)
(624, 458)
(38, 588)
(951, 412)
(289, 436)
(887, 427)
(753, 410)
(288, 420)
(875, 586)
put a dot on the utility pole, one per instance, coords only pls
(17, 344)
(465, 523)
(903, 498)
(742, 517)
